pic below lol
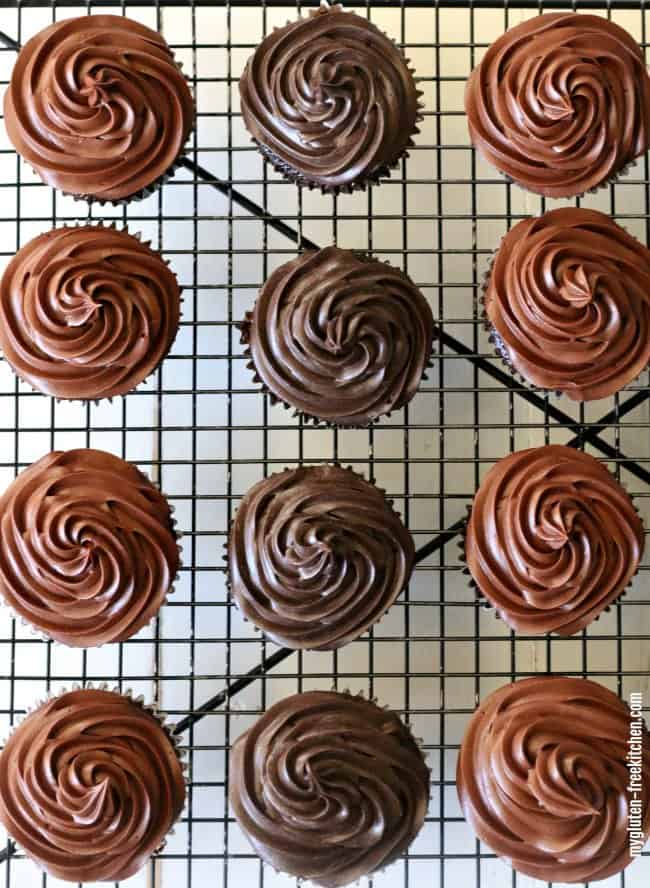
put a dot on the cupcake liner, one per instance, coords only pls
(226, 549)
(39, 634)
(101, 224)
(486, 605)
(290, 174)
(501, 349)
(309, 418)
(139, 700)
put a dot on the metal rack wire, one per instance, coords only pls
(200, 427)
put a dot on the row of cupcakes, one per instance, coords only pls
(331, 787)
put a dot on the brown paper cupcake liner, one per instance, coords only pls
(138, 700)
(309, 418)
(43, 636)
(488, 607)
(96, 401)
(226, 549)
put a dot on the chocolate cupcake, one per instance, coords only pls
(340, 337)
(552, 540)
(328, 787)
(330, 101)
(98, 107)
(88, 551)
(543, 778)
(87, 313)
(316, 556)
(560, 104)
(90, 785)
(568, 303)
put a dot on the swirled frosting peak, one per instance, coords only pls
(568, 299)
(90, 785)
(98, 107)
(341, 337)
(328, 787)
(542, 778)
(88, 312)
(552, 539)
(560, 103)
(88, 552)
(330, 100)
(316, 556)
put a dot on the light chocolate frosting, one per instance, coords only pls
(98, 106)
(552, 539)
(316, 556)
(330, 100)
(341, 337)
(560, 103)
(542, 778)
(328, 787)
(90, 785)
(88, 552)
(87, 313)
(568, 299)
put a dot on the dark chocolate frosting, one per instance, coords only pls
(87, 312)
(316, 556)
(328, 787)
(330, 100)
(90, 785)
(342, 338)
(98, 107)
(542, 778)
(560, 103)
(569, 300)
(88, 552)
(552, 539)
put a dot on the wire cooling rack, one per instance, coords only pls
(201, 429)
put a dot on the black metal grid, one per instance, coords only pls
(203, 431)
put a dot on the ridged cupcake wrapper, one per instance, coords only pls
(256, 628)
(486, 605)
(309, 418)
(110, 398)
(291, 174)
(501, 349)
(39, 634)
(154, 186)
(139, 700)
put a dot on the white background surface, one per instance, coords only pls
(183, 441)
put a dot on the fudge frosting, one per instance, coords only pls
(330, 100)
(560, 103)
(542, 778)
(316, 556)
(90, 785)
(87, 313)
(552, 539)
(569, 301)
(341, 337)
(328, 787)
(98, 107)
(88, 552)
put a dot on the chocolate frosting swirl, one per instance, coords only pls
(87, 312)
(342, 338)
(87, 548)
(542, 778)
(560, 103)
(316, 556)
(90, 785)
(328, 787)
(552, 539)
(330, 100)
(98, 107)
(569, 301)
